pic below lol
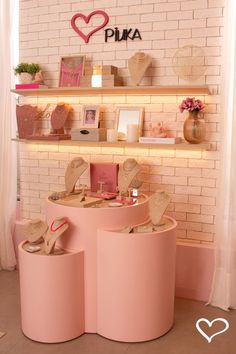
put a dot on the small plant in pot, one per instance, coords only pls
(26, 72)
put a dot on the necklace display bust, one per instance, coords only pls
(127, 172)
(57, 228)
(138, 65)
(73, 172)
(158, 203)
(34, 230)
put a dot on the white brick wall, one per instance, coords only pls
(189, 176)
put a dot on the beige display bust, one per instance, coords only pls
(138, 65)
(34, 230)
(56, 229)
(73, 172)
(127, 173)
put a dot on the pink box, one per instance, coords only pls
(104, 172)
(29, 86)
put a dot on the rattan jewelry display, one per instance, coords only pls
(189, 62)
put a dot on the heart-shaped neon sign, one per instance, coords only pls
(86, 20)
(209, 339)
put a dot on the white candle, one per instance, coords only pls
(132, 133)
(96, 81)
(111, 135)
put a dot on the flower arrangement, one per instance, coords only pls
(192, 105)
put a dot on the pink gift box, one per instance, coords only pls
(104, 172)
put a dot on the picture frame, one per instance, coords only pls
(90, 116)
(128, 115)
(71, 70)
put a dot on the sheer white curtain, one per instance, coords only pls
(8, 163)
(223, 293)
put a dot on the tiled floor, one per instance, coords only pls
(182, 339)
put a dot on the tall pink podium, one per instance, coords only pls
(136, 284)
(52, 295)
(127, 282)
(82, 235)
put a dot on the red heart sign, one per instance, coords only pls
(86, 20)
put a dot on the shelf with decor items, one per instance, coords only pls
(117, 90)
(122, 144)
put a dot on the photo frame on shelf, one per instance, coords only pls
(128, 115)
(90, 116)
(71, 70)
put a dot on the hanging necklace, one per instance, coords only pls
(129, 169)
(58, 227)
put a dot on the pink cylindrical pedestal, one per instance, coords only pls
(136, 278)
(52, 295)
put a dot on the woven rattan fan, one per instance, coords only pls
(189, 62)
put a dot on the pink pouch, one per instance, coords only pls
(106, 173)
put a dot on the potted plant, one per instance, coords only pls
(194, 125)
(26, 72)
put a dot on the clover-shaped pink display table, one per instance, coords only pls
(127, 279)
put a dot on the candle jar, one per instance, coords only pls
(96, 80)
(132, 133)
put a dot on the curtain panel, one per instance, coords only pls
(223, 292)
(8, 162)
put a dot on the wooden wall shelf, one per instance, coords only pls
(181, 146)
(118, 90)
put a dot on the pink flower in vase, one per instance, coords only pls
(190, 104)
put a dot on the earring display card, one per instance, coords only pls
(105, 175)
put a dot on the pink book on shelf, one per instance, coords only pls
(29, 86)
(107, 173)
